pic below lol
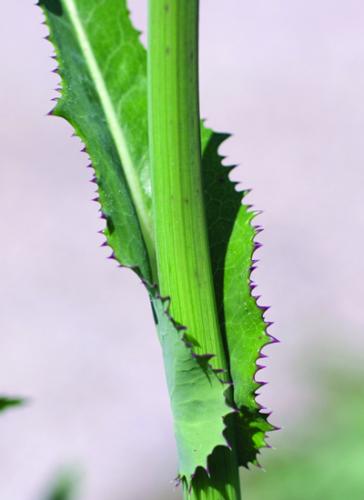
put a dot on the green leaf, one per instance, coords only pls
(64, 487)
(194, 387)
(231, 236)
(7, 402)
(103, 71)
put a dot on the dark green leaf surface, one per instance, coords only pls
(231, 235)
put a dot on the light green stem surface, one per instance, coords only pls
(183, 259)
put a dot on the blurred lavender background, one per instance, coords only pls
(77, 337)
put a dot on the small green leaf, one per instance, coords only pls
(7, 402)
(194, 388)
(64, 487)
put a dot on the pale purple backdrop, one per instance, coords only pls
(77, 337)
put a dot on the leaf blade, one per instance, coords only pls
(194, 387)
(100, 106)
(232, 245)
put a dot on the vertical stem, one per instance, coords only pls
(183, 259)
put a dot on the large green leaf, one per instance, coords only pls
(103, 71)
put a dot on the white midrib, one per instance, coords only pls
(115, 129)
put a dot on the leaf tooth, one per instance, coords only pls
(207, 470)
(205, 356)
(51, 112)
(273, 340)
(177, 481)
(255, 212)
(257, 245)
(228, 444)
(228, 168)
(261, 383)
(264, 309)
(219, 370)
(261, 407)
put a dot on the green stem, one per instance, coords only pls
(183, 257)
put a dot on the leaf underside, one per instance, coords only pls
(102, 65)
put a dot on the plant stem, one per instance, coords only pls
(183, 259)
